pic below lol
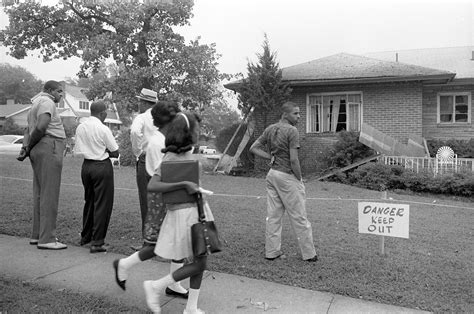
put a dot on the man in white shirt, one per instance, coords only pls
(96, 143)
(141, 130)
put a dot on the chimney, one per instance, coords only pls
(396, 57)
(472, 56)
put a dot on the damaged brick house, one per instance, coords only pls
(400, 99)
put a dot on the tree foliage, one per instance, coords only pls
(216, 117)
(18, 84)
(263, 88)
(139, 37)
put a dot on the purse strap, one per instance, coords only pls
(200, 207)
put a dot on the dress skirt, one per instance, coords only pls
(154, 217)
(174, 239)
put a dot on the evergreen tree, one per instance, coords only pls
(263, 89)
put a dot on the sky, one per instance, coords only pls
(304, 30)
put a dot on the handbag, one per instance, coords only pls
(204, 236)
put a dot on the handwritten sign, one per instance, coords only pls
(385, 219)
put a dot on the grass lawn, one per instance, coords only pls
(432, 270)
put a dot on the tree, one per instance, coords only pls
(216, 117)
(18, 84)
(263, 88)
(138, 36)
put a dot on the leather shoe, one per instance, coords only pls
(137, 248)
(121, 283)
(98, 248)
(52, 246)
(84, 242)
(312, 259)
(168, 291)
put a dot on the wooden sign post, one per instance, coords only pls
(384, 219)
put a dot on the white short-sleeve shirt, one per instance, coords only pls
(93, 138)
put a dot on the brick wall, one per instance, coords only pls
(393, 108)
(431, 129)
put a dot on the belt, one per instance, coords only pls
(93, 160)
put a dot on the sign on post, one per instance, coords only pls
(384, 219)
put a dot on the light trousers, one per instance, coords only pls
(286, 193)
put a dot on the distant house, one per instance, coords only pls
(73, 107)
(342, 91)
(18, 113)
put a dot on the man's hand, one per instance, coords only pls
(23, 154)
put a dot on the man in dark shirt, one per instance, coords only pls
(285, 189)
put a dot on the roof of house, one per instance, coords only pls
(9, 110)
(459, 60)
(346, 68)
(75, 91)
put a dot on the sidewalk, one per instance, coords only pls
(78, 270)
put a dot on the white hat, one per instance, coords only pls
(148, 95)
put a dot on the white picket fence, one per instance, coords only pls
(429, 164)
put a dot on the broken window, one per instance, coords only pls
(333, 112)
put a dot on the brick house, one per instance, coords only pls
(342, 91)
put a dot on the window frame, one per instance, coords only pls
(453, 94)
(83, 101)
(320, 122)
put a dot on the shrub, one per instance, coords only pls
(125, 148)
(10, 127)
(347, 150)
(463, 148)
(377, 176)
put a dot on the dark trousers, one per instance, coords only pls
(98, 180)
(46, 159)
(142, 183)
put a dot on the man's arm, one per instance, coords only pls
(295, 163)
(39, 131)
(111, 144)
(136, 135)
(257, 148)
(24, 148)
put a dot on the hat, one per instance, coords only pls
(148, 95)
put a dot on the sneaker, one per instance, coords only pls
(281, 256)
(152, 297)
(52, 246)
(196, 311)
(312, 259)
(34, 241)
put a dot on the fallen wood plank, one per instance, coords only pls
(356, 164)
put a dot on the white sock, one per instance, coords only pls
(177, 285)
(162, 283)
(128, 262)
(192, 299)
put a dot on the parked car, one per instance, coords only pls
(10, 144)
(210, 151)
